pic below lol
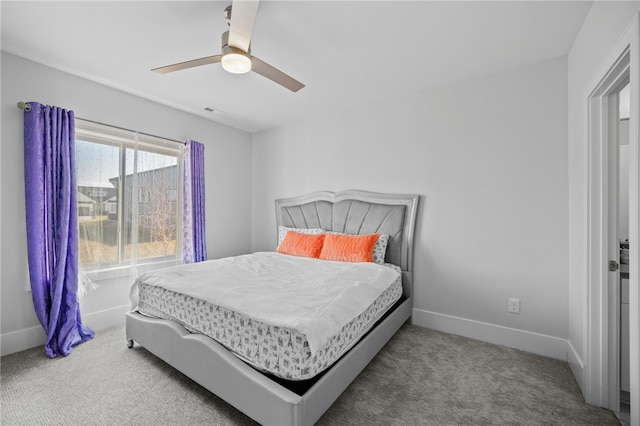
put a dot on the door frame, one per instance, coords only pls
(601, 360)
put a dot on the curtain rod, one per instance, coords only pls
(25, 106)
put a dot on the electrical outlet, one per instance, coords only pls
(514, 306)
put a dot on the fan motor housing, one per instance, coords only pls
(234, 60)
(230, 49)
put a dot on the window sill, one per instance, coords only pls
(97, 275)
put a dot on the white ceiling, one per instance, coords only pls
(347, 53)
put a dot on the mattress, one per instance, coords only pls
(273, 348)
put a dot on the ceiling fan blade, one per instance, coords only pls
(243, 15)
(274, 74)
(188, 64)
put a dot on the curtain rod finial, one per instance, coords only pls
(24, 106)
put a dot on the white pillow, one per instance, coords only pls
(380, 249)
(282, 231)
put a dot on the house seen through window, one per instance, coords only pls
(128, 197)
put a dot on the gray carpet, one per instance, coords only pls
(421, 377)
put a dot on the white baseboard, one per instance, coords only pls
(105, 319)
(540, 344)
(576, 365)
(536, 343)
(32, 337)
(20, 340)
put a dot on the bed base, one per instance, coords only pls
(215, 368)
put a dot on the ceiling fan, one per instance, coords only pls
(236, 54)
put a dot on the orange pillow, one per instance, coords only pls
(305, 245)
(348, 248)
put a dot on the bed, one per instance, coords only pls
(275, 397)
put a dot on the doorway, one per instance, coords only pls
(602, 363)
(622, 228)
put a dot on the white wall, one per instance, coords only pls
(603, 26)
(228, 183)
(488, 157)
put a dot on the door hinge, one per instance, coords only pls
(613, 266)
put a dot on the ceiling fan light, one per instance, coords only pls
(236, 63)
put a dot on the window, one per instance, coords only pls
(129, 187)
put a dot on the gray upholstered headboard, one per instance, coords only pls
(359, 212)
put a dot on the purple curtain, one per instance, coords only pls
(52, 229)
(194, 238)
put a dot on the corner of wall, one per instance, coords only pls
(576, 365)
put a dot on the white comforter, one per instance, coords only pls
(315, 297)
